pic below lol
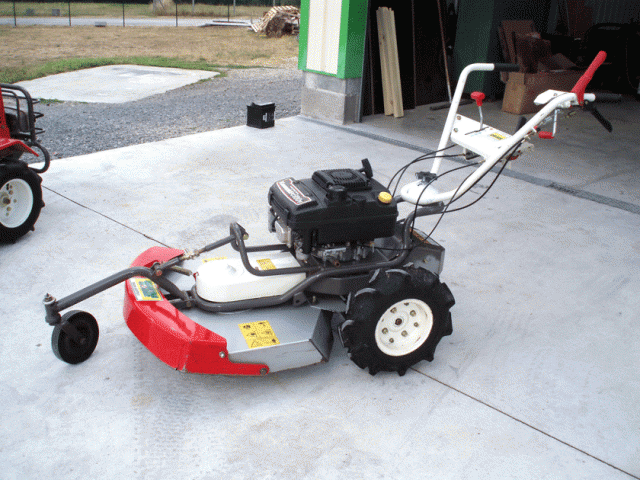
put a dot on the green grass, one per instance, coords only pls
(61, 66)
(35, 51)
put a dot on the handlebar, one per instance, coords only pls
(581, 84)
(506, 67)
(455, 100)
(607, 97)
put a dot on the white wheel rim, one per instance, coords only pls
(16, 202)
(404, 327)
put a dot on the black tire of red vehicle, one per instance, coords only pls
(398, 320)
(20, 201)
(72, 351)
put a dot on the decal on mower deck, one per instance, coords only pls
(292, 192)
(145, 290)
(258, 334)
(266, 264)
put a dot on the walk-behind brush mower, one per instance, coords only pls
(344, 263)
(20, 189)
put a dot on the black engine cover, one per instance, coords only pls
(334, 206)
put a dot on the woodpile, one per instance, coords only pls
(391, 86)
(279, 21)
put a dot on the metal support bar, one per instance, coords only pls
(310, 280)
(30, 138)
(238, 232)
(214, 245)
(53, 307)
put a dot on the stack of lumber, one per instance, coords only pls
(391, 86)
(279, 21)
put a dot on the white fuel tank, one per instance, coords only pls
(226, 279)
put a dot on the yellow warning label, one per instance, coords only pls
(497, 135)
(213, 259)
(258, 334)
(266, 264)
(145, 290)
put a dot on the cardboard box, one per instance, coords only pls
(523, 88)
(539, 69)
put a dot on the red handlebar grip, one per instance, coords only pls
(581, 85)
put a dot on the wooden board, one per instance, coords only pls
(420, 54)
(396, 85)
(390, 66)
(384, 63)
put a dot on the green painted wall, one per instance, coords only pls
(352, 38)
(303, 34)
(477, 36)
(353, 25)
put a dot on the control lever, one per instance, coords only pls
(590, 107)
(479, 97)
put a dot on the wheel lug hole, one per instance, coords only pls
(398, 321)
(404, 333)
(394, 310)
(416, 324)
(391, 340)
(412, 313)
(385, 331)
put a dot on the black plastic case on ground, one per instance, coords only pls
(261, 115)
(334, 206)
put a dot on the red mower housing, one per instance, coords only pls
(173, 337)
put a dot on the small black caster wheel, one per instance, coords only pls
(77, 350)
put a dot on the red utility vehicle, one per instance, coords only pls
(20, 183)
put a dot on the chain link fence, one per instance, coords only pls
(47, 12)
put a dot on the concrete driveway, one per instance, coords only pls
(113, 83)
(539, 379)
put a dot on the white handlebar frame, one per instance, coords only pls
(453, 109)
(561, 100)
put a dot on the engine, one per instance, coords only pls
(334, 216)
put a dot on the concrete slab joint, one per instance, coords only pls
(330, 98)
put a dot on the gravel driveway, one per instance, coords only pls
(74, 128)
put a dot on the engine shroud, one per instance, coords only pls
(333, 207)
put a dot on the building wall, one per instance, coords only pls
(331, 54)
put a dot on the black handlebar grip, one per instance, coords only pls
(506, 67)
(608, 97)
